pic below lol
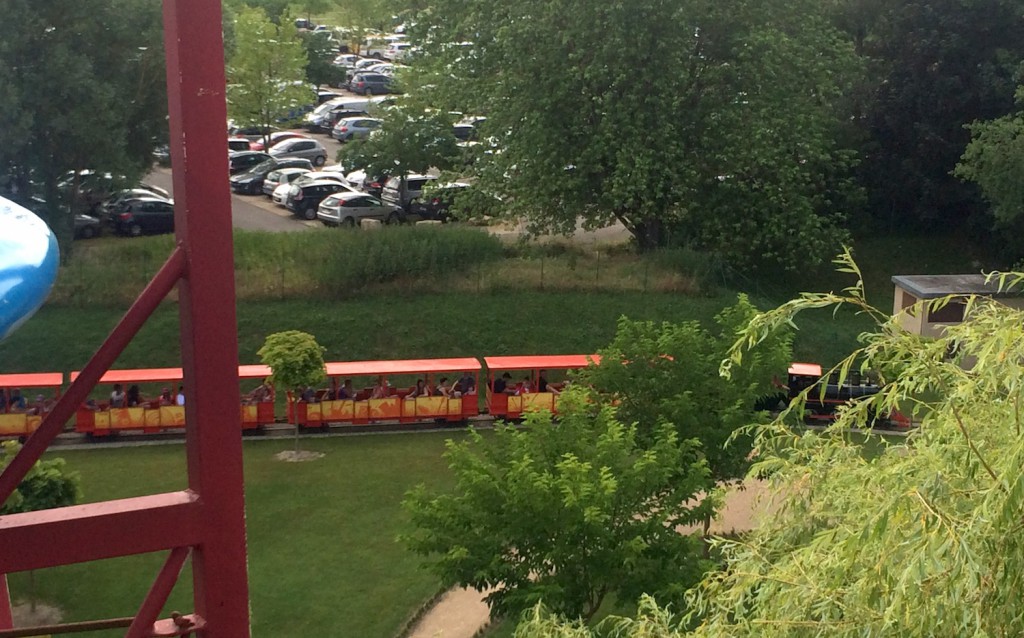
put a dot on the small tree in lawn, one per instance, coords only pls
(567, 513)
(46, 486)
(296, 360)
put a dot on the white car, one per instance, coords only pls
(280, 193)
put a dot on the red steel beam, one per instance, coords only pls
(47, 538)
(6, 617)
(155, 600)
(119, 338)
(209, 339)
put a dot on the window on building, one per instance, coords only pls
(953, 312)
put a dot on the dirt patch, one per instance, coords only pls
(298, 456)
(42, 614)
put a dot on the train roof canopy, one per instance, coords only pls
(253, 371)
(32, 380)
(934, 286)
(805, 369)
(146, 375)
(541, 362)
(408, 366)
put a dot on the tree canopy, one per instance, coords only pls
(567, 513)
(668, 373)
(46, 486)
(712, 122)
(296, 360)
(83, 88)
(266, 71)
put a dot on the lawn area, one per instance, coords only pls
(323, 559)
(452, 324)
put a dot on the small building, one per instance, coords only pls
(911, 289)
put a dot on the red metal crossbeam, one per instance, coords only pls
(142, 626)
(101, 530)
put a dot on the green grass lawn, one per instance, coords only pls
(323, 559)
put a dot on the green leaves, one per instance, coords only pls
(295, 359)
(46, 486)
(566, 513)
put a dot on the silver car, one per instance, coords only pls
(348, 209)
(354, 128)
(281, 176)
(304, 148)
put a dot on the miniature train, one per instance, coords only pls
(398, 406)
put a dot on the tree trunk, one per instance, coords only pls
(650, 234)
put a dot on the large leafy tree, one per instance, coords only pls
(921, 541)
(569, 512)
(296, 361)
(994, 160)
(668, 373)
(714, 122)
(82, 88)
(936, 66)
(411, 140)
(266, 71)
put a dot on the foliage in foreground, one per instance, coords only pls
(565, 513)
(46, 486)
(668, 373)
(923, 540)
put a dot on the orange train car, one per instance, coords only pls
(399, 404)
(99, 419)
(512, 401)
(23, 421)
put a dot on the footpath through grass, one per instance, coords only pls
(323, 559)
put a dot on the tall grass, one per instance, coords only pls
(336, 264)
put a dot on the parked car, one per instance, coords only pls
(304, 198)
(401, 190)
(355, 128)
(371, 84)
(116, 201)
(274, 138)
(251, 181)
(239, 143)
(349, 209)
(326, 96)
(144, 215)
(239, 161)
(280, 193)
(280, 176)
(309, 149)
(435, 205)
(397, 51)
(249, 132)
(87, 227)
(369, 184)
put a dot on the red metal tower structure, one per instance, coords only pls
(207, 520)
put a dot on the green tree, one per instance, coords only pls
(82, 88)
(296, 361)
(411, 140)
(994, 160)
(936, 66)
(320, 53)
(569, 512)
(920, 541)
(47, 485)
(668, 373)
(266, 71)
(713, 121)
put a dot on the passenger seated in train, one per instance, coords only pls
(259, 394)
(40, 406)
(346, 392)
(134, 397)
(525, 386)
(542, 381)
(16, 403)
(382, 389)
(442, 389)
(308, 395)
(166, 398)
(502, 385)
(465, 385)
(117, 397)
(418, 390)
(179, 399)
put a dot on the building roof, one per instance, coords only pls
(934, 286)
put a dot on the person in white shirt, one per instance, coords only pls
(180, 399)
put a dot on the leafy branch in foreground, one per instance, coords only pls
(923, 539)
